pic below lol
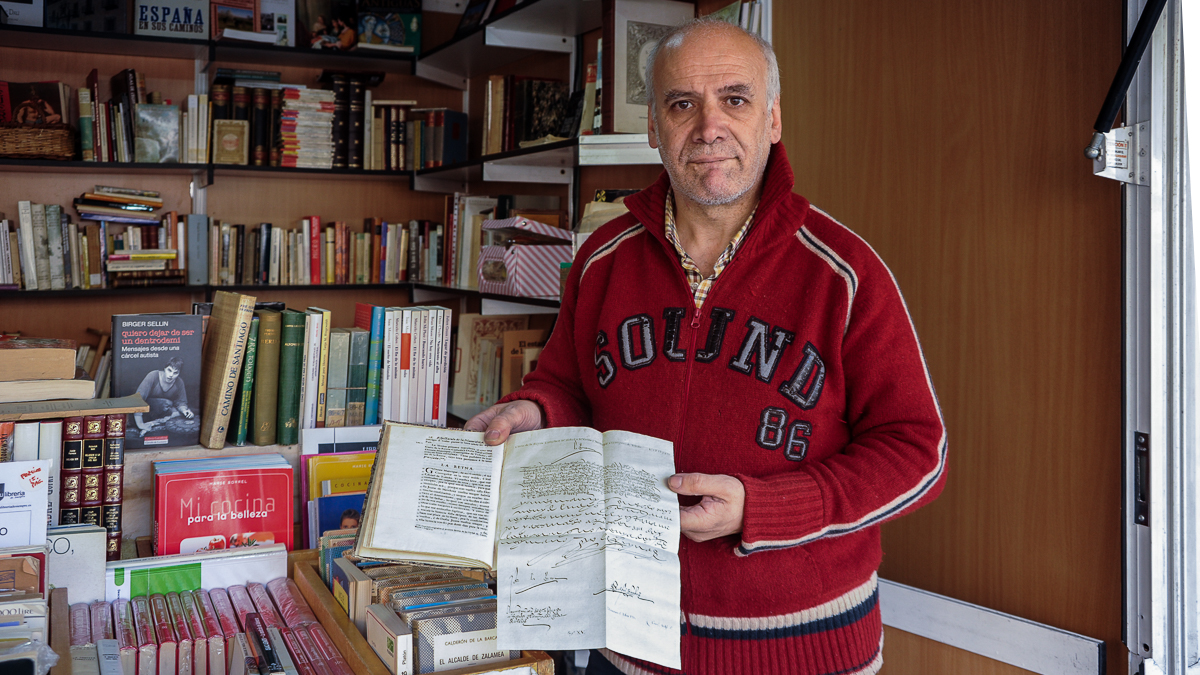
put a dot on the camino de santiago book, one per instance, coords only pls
(159, 357)
(221, 503)
(589, 510)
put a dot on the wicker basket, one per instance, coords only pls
(41, 141)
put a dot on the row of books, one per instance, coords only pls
(391, 25)
(253, 628)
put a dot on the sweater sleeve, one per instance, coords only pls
(555, 384)
(895, 460)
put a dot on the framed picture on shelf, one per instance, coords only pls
(631, 27)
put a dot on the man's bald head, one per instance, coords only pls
(698, 29)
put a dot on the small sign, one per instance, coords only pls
(187, 19)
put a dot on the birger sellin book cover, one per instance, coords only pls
(159, 357)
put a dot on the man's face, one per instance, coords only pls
(713, 126)
(169, 374)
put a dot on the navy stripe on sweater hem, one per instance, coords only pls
(835, 622)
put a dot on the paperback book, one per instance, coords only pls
(158, 356)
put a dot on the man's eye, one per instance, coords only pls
(736, 101)
(683, 105)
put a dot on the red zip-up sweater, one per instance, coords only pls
(802, 376)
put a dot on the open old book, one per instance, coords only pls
(579, 527)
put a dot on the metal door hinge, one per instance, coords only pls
(1141, 478)
(1124, 155)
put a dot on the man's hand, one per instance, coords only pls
(719, 512)
(504, 419)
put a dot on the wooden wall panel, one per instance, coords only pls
(950, 136)
(908, 654)
(70, 317)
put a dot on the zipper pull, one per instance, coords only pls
(696, 318)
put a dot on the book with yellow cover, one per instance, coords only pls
(337, 467)
(224, 351)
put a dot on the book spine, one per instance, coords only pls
(114, 482)
(291, 359)
(264, 254)
(41, 246)
(92, 467)
(355, 129)
(197, 249)
(260, 127)
(341, 121)
(224, 352)
(323, 373)
(314, 251)
(242, 406)
(266, 378)
(71, 477)
(86, 132)
(241, 103)
(356, 395)
(276, 140)
(221, 102)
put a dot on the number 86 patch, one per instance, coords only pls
(775, 432)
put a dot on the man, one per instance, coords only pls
(772, 347)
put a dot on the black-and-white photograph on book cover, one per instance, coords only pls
(158, 356)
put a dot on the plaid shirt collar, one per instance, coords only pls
(696, 279)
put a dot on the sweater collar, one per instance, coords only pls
(647, 206)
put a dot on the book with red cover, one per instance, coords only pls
(314, 251)
(71, 472)
(92, 470)
(114, 480)
(219, 503)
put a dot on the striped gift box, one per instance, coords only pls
(522, 269)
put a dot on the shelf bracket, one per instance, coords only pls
(440, 76)
(524, 173)
(433, 184)
(1125, 154)
(490, 307)
(543, 42)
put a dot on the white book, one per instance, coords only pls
(193, 126)
(421, 340)
(276, 235)
(389, 275)
(41, 246)
(312, 356)
(27, 253)
(301, 415)
(50, 449)
(385, 371)
(26, 436)
(305, 228)
(6, 273)
(433, 353)
(444, 391)
(75, 557)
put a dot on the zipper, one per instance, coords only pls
(687, 387)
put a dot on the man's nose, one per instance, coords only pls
(710, 124)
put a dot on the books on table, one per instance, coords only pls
(589, 509)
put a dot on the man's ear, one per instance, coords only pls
(650, 132)
(776, 122)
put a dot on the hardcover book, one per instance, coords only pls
(158, 356)
(291, 361)
(224, 350)
(37, 359)
(222, 503)
(266, 378)
(591, 510)
(156, 133)
(113, 497)
(241, 405)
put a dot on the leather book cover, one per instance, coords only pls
(72, 472)
(266, 378)
(224, 351)
(291, 362)
(92, 465)
(112, 495)
(260, 127)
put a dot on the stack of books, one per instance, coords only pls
(222, 503)
(41, 369)
(306, 128)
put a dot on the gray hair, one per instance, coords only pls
(675, 37)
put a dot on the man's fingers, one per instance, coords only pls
(501, 420)
(481, 421)
(700, 484)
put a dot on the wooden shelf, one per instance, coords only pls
(9, 294)
(75, 166)
(29, 37)
(533, 27)
(295, 172)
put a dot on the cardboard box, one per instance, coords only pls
(528, 265)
